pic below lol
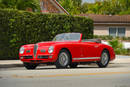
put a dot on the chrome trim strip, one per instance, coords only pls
(86, 58)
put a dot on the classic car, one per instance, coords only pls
(66, 50)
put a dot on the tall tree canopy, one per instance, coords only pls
(20, 4)
(99, 7)
(72, 6)
(75, 6)
(107, 7)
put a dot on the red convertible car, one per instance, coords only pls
(66, 49)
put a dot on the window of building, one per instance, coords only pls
(117, 31)
(112, 32)
(121, 32)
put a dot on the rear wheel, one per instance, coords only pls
(104, 59)
(63, 59)
(30, 65)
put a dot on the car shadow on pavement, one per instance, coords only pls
(42, 68)
(81, 67)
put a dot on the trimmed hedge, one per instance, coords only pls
(19, 27)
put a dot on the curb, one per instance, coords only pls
(11, 65)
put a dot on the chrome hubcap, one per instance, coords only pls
(63, 59)
(104, 59)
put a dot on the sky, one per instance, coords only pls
(90, 1)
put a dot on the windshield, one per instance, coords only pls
(67, 37)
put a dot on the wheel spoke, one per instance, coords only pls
(104, 59)
(63, 59)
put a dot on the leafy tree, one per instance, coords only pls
(91, 7)
(77, 2)
(19, 4)
(107, 7)
(84, 8)
(110, 7)
(125, 4)
(125, 12)
(70, 6)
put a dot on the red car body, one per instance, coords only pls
(80, 51)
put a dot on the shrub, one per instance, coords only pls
(118, 47)
(103, 37)
(19, 27)
(115, 44)
(107, 37)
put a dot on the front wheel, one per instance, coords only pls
(104, 59)
(63, 59)
(30, 65)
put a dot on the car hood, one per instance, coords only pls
(48, 43)
(28, 46)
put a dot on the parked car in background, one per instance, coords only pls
(66, 49)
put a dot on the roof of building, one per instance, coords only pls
(108, 18)
(58, 6)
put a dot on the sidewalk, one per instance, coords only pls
(121, 59)
(10, 63)
(18, 63)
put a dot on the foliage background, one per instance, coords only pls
(106, 7)
(20, 27)
(20, 4)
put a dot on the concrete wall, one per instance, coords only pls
(101, 30)
(128, 31)
(104, 30)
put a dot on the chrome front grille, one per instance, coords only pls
(28, 57)
(35, 50)
(43, 57)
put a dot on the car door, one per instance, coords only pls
(90, 49)
(77, 50)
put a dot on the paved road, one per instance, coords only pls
(115, 75)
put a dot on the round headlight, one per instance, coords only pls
(51, 49)
(21, 50)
